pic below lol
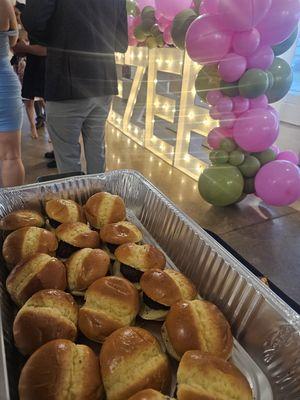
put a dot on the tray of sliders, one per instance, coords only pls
(108, 291)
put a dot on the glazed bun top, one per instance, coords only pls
(104, 208)
(142, 257)
(62, 210)
(120, 233)
(78, 235)
(21, 219)
(149, 394)
(167, 287)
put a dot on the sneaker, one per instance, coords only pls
(52, 164)
(49, 154)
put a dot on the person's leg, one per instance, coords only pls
(12, 169)
(93, 133)
(64, 122)
(29, 105)
(40, 117)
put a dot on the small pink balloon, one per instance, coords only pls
(224, 105)
(290, 156)
(208, 40)
(227, 120)
(213, 97)
(263, 58)
(256, 130)
(163, 23)
(276, 149)
(242, 15)
(246, 43)
(132, 41)
(259, 102)
(274, 112)
(209, 7)
(170, 8)
(232, 67)
(240, 105)
(215, 138)
(144, 3)
(278, 183)
(167, 35)
(214, 113)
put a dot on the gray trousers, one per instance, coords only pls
(66, 120)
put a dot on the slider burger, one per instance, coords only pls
(197, 325)
(149, 394)
(84, 267)
(114, 235)
(37, 272)
(26, 242)
(73, 236)
(132, 260)
(61, 370)
(104, 208)
(202, 376)
(162, 289)
(131, 360)
(60, 211)
(21, 219)
(49, 314)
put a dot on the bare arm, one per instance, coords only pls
(24, 48)
(8, 20)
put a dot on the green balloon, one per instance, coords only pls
(236, 158)
(160, 40)
(140, 33)
(254, 83)
(151, 42)
(208, 79)
(249, 186)
(250, 167)
(283, 47)
(155, 31)
(221, 185)
(148, 12)
(180, 26)
(218, 157)
(271, 80)
(265, 156)
(132, 8)
(230, 89)
(228, 145)
(283, 79)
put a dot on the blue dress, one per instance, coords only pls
(11, 106)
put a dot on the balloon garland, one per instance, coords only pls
(238, 42)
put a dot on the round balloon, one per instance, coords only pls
(214, 97)
(276, 149)
(250, 167)
(215, 137)
(242, 15)
(167, 35)
(170, 8)
(263, 58)
(283, 79)
(240, 105)
(227, 120)
(280, 21)
(163, 23)
(283, 47)
(278, 183)
(232, 67)
(207, 40)
(224, 105)
(180, 27)
(254, 83)
(228, 145)
(209, 7)
(230, 89)
(218, 157)
(266, 156)
(259, 102)
(236, 157)
(246, 43)
(208, 80)
(289, 155)
(221, 185)
(256, 130)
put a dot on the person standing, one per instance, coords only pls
(81, 39)
(12, 169)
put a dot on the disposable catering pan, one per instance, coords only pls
(267, 331)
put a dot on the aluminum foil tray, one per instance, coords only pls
(267, 331)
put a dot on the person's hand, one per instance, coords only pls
(20, 48)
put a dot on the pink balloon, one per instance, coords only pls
(278, 183)
(290, 156)
(232, 67)
(246, 43)
(163, 23)
(274, 112)
(280, 21)
(213, 97)
(259, 102)
(242, 15)
(263, 58)
(207, 40)
(209, 7)
(132, 41)
(144, 3)
(227, 120)
(167, 35)
(276, 149)
(256, 130)
(214, 113)
(215, 138)
(170, 8)
(240, 105)
(224, 105)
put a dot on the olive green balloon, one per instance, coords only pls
(249, 186)
(236, 158)
(132, 8)
(140, 34)
(283, 47)
(265, 156)
(283, 79)
(180, 26)
(160, 41)
(228, 145)
(155, 31)
(271, 80)
(254, 83)
(218, 157)
(221, 185)
(151, 42)
(208, 79)
(230, 89)
(250, 167)
(148, 12)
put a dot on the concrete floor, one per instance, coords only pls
(266, 237)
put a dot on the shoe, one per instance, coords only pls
(40, 124)
(52, 164)
(49, 154)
